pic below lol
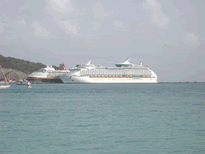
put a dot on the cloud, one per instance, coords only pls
(158, 17)
(21, 19)
(1, 27)
(191, 39)
(65, 15)
(67, 26)
(15, 28)
(96, 25)
(20, 22)
(62, 9)
(63, 6)
(23, 22)
(118, 24)
(99, 11)
(38, 29)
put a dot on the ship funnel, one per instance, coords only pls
(141, 63)
(62, 66)
(128, 59)
(88, 63)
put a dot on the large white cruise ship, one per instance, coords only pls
(125, 72)
(48, 75)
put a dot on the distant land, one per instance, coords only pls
(18, 68)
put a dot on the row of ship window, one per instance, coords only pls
(119, 76)
(116, 73)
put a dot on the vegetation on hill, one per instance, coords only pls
(21, 65)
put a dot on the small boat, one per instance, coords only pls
(4, 86)
(7, 84)
(21, 82)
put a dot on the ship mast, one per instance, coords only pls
(4, 74)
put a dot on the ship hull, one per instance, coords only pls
(4, 86)
(87, 79)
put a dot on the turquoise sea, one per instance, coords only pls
(166, 118)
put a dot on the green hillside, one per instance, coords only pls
(21, 65)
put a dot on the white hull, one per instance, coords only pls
(87, 79)
(4, 86)
(124, 73)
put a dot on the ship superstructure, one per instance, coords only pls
(125, 72)
(48, 74)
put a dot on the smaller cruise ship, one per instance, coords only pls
(48, 75)
(124, 72)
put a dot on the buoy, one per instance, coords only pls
(29, 85)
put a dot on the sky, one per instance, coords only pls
(168, 36)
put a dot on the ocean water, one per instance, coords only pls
(103, 118)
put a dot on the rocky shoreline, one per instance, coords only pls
(18, 69)
(12, 74)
